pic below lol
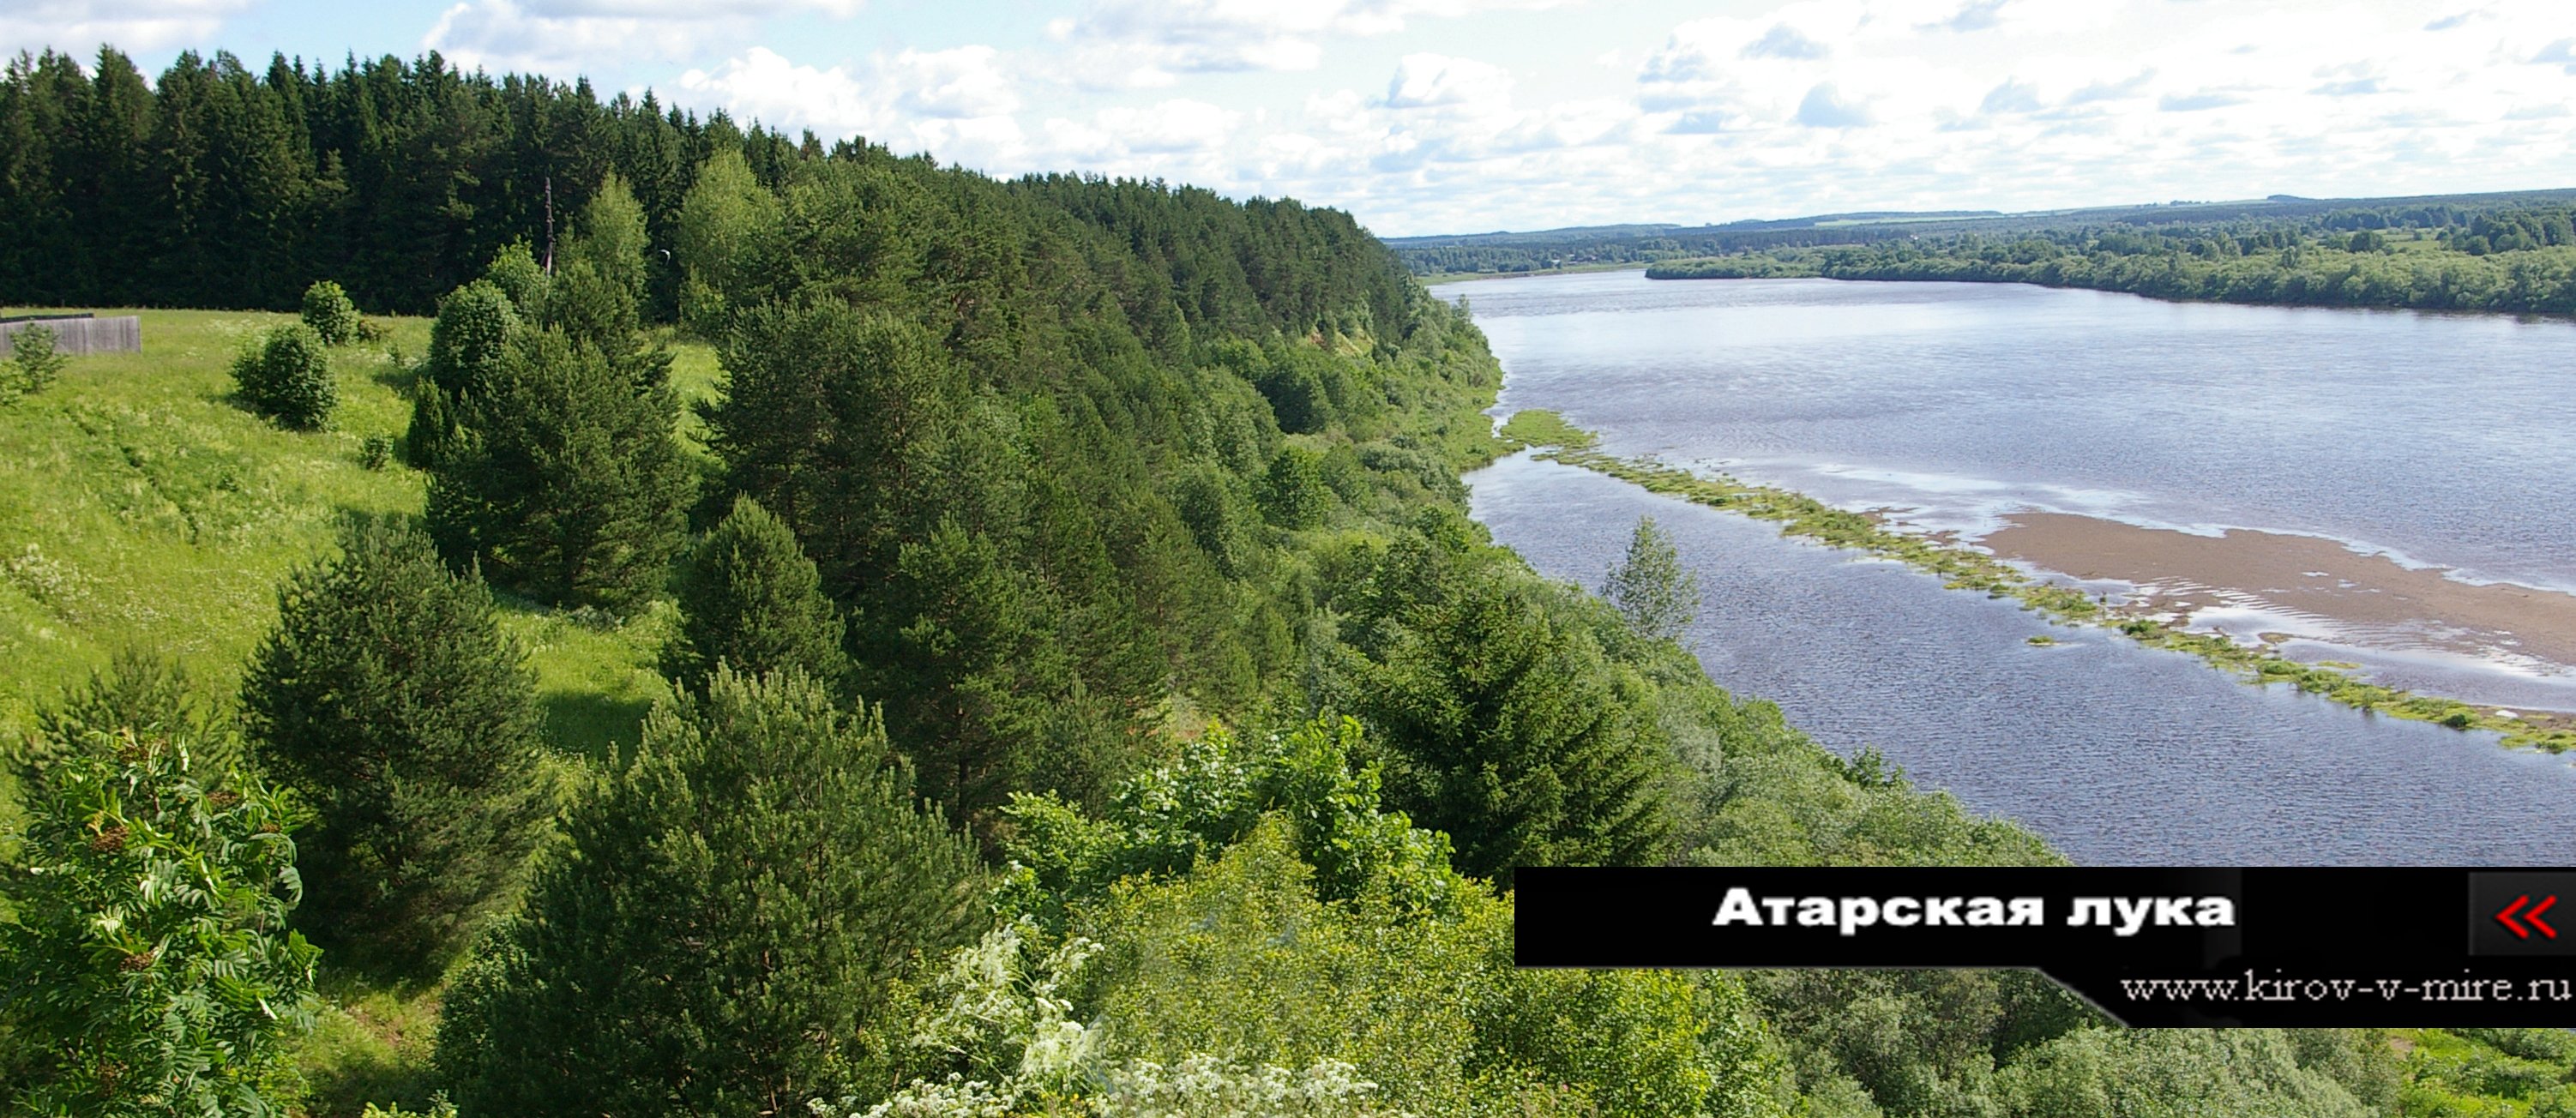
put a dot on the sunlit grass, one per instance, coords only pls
(144, 506)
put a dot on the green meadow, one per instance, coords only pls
(145, 506)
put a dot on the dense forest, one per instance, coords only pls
(1088, 693)
(2515, 257)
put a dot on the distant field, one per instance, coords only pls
(143, 506)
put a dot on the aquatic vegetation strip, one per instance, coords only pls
(1964, 568)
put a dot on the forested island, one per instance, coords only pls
(596, 610)
(2515, 256)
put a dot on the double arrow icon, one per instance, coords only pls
(2532, 917)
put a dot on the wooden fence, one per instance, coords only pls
(82, 334)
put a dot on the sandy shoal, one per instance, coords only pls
(2369, 599)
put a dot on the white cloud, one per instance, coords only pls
(1822, 107)
(1148, 43)
(961, 83)
(1424, 81)
(761, 84)
(557, 36)
(1768, 109)
(78, 27)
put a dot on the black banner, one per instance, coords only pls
(2263, 946)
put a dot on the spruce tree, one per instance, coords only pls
(390, 696)
(566, 483)
(1650, 587)
(1510, 734)
(716, 933)
(750, 598)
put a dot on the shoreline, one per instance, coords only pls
(2145, 620)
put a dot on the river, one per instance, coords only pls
(2436, 439)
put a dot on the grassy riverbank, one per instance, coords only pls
(1964, 568)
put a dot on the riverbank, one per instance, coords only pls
(2145, 619)
(1463, 277)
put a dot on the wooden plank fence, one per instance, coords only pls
(82, 334)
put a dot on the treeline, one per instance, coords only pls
(1435, 256)
(1087, 694)
(221, 186)
(2521, 262)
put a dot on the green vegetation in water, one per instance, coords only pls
(1541, 427)
(1965, 569)
(2039, 640)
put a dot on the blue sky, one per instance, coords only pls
(1432, 116)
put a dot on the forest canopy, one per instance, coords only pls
(1088, 690)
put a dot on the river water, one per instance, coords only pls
(2431, 437)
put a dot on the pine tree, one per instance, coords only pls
(971, 669)
(566, 483)
(149, 969)
(390, 696)
(750, 598)
(716, 934)
(1651, 588)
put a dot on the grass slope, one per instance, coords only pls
(146, 506)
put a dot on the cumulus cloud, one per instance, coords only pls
(1784, 41)
(2010, 97)
(78, 27)
(1824, 108)
(2112, 91)
(1976, 15)
(2196, 102)
(958, 102)
(1769, 108)
(761, 84)
(1149, 43)
(1427, 80)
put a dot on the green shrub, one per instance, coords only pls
(39, 360)
(328, 311)
(287, 377)
(150, 970)
(376, 452)
(1293, 494)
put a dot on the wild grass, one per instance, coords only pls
(1962, 568)
(1541, 427)
(144, 505)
